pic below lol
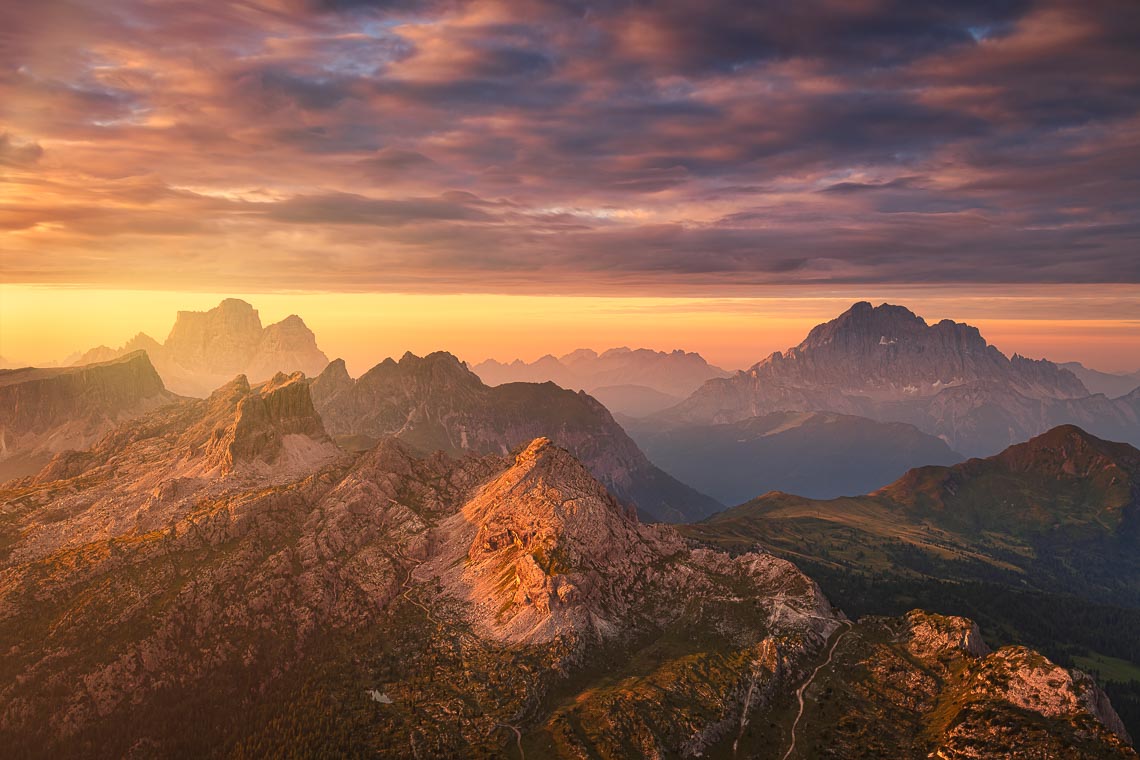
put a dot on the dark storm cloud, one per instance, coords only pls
(550, 141)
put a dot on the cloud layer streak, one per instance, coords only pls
(563, 146)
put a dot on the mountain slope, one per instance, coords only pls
(816, 454)
(888, 364)
(435, 402)
(926, 685)
(45, 411)
(206, 348)
(1039, 543)
(390, 605)
(1058, 513)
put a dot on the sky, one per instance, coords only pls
(508, 178)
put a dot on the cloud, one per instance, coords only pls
(541, 144)
(14, 153)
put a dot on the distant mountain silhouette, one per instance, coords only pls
(207, 348)
(888, 364)
(633, 382)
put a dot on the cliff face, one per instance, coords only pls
(151, 597)
(275, 419)
(45, 411)
(436, 403)
(218, 341)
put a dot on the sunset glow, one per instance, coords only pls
(542, 149)
(731, 331)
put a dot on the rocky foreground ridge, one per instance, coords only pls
(217, 578)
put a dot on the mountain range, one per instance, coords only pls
(413, 563)
(635, 382)
(206, 348)
(217, 578)
(1109, 383)
(886, 363)
(436, 403)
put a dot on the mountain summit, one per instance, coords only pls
(888, 352)
(206, 348)
(888, 364)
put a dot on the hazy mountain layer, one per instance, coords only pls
(887, 364)
(436, 403)
(1110, 384)
(206, 348)
(637, 381)
(816, 454)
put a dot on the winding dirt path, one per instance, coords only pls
(518, 738)
(803, 687)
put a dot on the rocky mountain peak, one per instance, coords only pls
(548, 552)
(863, 327)
(273, 421)
(206, 347)
(219, 340)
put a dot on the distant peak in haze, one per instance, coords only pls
(887, 363)
(889, 352)
(627, 380)
(205, 348)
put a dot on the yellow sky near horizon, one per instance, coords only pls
(1099, 326)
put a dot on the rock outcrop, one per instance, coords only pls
(926, 685)
(275, 419)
